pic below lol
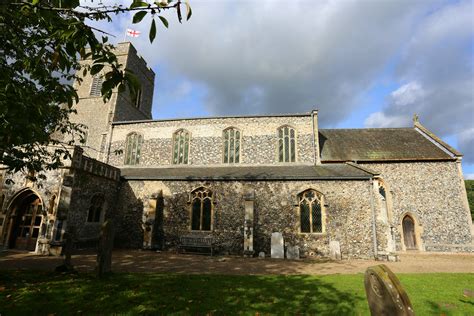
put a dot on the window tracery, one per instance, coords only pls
(286, 144)
(311, 216)
(201, 209)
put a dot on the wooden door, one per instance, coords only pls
(409, 233)
(29, 224)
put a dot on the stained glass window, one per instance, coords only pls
(180, 147)
(311, 220)
(133, 148)
(231, 145)
(201, 217)
(286, 144)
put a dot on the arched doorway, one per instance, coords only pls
(409, 236)
(26, 216)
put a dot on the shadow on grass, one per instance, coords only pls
(45, 293)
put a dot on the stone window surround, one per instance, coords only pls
(277, 149)
(138, 99)
(173, 144)
(323, 212)
(240, 144)
(96, 197)
(418, 230)
(136, 148)
(190, 210)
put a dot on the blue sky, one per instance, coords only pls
(364, 63)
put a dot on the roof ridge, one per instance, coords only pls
(365, 128)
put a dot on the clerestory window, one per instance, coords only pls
(180, 147)
(311, 216)
(201, 209)
(286, 144)
(133, 144)
(231, 145)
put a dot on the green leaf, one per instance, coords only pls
(165, 21)
(137, 4)
(139, 16)
(189, 12)
(152, 31)
(95, 69)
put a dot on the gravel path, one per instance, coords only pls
(148, 261)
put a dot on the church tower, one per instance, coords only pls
(99, 116)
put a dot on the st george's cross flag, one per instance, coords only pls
(133, 33)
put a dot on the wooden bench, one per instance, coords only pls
(196, 242)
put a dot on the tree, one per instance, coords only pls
(42, 43)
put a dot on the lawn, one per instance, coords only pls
(26, 293)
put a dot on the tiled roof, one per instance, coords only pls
(249, 173)
(377, 145)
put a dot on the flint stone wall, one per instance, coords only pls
(259, 140)
(97, 115)
(85, 187)
(433, 193)
(348, 212)
(44, 188)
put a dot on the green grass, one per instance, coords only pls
(470, 195)
(26, 293)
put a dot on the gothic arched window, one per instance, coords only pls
(133, 145)
(231, 145)
(286, 144)
(180, 147)
(311, 215)
(201, 209)
(95, 209)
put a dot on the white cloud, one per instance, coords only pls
(408, 94)
(438, 66)
(379, 119)
(469, 176)
(291, 56)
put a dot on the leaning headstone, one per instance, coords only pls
(277, 249)
(385, 294)
(104, 252)
(335, 250)
(293, 252)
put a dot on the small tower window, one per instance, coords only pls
(180, 147)
(138, 99)
(96, 86)
(133, 148)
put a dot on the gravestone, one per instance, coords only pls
(335, 250)
(385, 294)
(68, 237)
(248, 224)
(293, 252)
(104, 252)
(277, 249)
(261, 255)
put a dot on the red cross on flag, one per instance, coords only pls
(133, 33)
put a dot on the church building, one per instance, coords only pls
(229, 183)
